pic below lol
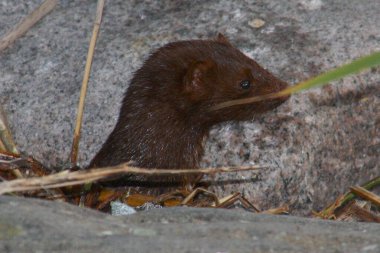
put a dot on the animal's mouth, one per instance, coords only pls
(272, 104)
(277, 101)
(265, 105)
(268, 101)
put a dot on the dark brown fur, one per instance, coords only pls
(164, 116)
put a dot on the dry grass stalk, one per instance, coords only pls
(228, 200)
(364, 214)
(279, 210)
(363, 193)
(7, 144)
(67, 178)
(87, 70)
(6, 141)
(197, 191)
(25, 24)
(357, 211)
(328, 212)
(248, 205)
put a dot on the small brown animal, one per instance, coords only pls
(164, 116)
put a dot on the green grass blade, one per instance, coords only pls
(353, 67)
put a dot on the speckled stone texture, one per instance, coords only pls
(28, 225)
(316, 145)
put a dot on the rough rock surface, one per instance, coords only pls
(28, 225)
(317, 144)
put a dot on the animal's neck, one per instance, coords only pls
(169, 141)
(153, 137)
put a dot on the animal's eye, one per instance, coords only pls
(246, 84)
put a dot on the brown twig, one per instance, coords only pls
(67, 178)
(87, 70)
(25, 24)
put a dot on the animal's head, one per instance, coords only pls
(227, 74)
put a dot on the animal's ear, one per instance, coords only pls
(223, 39)
(195, 79)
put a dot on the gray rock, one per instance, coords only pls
(29, 225)
(317, 145)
